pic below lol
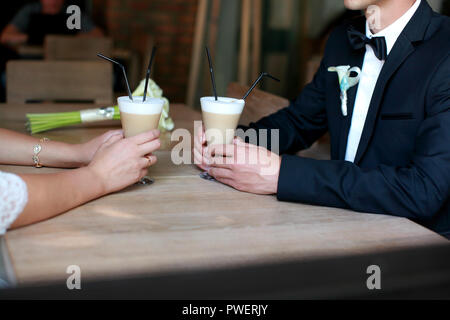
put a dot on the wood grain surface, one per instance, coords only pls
(59, 80)
(66, 47)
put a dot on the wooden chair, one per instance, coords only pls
(321, 149)
(59, 81)
(260, 104)
(257, 105)
(312, 65)
(60, 47)
(141, 45)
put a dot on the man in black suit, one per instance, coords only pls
(390, 133)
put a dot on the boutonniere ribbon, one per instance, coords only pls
(346, 81)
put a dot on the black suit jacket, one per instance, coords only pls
(402, 166)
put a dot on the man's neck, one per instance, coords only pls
(386, 12)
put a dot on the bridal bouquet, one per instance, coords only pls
(40, 122)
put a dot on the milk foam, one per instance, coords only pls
(223, 105)
(137, 106)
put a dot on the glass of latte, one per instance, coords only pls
(220, 118)
(138, 116)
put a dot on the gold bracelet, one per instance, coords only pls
(36, 150)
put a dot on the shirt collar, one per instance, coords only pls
(393, 31)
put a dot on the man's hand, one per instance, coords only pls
(243, 166)
(199, 148)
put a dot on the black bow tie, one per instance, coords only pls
(359, 40)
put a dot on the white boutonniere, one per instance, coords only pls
(346, 82)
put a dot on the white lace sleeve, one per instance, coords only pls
(13, 199)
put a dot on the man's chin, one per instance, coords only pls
(358, 4)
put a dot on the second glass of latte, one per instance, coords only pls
(220, 118)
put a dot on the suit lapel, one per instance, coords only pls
(403, 49)
(414, 31)
(355, 59)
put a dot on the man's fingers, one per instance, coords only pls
(200, 139)
(198, 156)
(200, 131)
(221, 162)
(227, 154)
(145, 137)
(203, 137)
(199, 160)
(242, 144)
(197, 152)
(228, 182)
(198, 145)
(225, 150)
(149, 147)
(220, 173)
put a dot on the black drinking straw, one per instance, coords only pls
(262, 75)
(211, 71)
(149, 68)
(123, 70)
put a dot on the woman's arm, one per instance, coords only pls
(117, 164)
(51, 194)
(17, 149)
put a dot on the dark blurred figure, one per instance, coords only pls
(31, 24)
(6, 54)
(35, 20)
(446, 7)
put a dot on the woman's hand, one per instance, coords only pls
(85, 152)
(121, 162)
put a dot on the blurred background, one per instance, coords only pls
(282, 37)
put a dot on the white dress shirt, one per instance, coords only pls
(369, 75)
(13, 199)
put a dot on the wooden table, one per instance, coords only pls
(184, 223)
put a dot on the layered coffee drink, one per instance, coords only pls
(139, 116)
(221, 118)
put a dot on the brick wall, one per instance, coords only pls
(171, 23)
